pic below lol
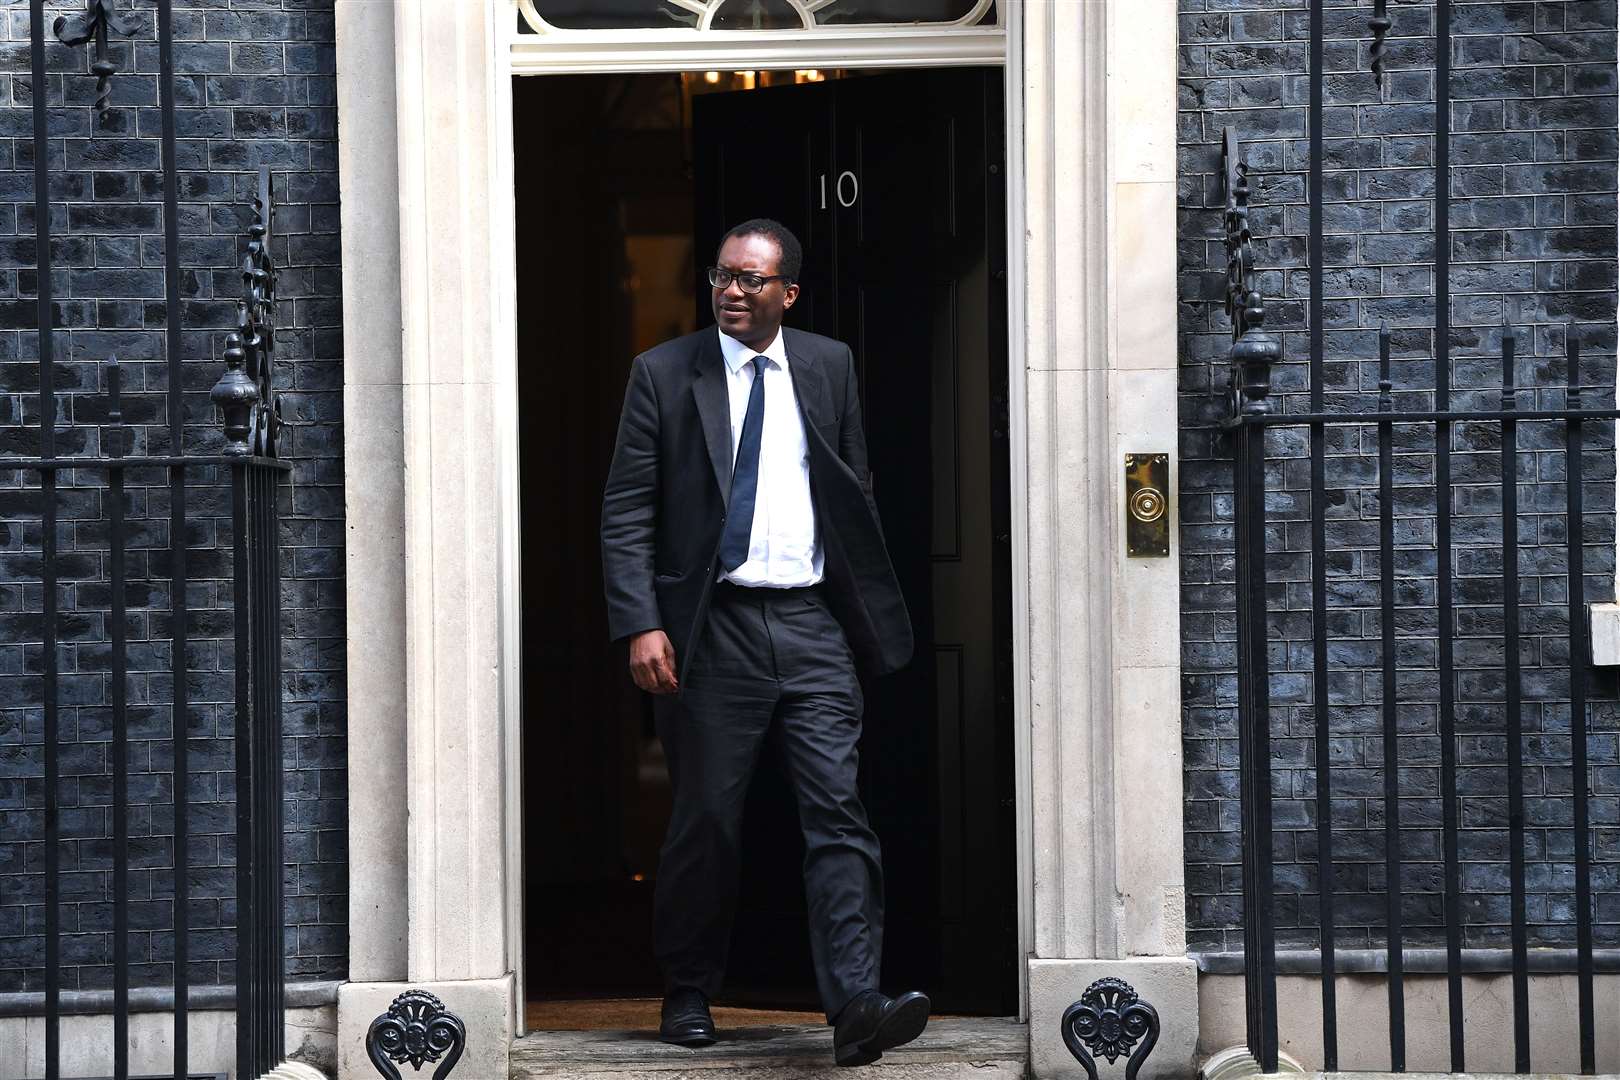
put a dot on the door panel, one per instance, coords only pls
(906, 264)
(760, 153)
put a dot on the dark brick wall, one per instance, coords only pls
(1532, 213)
(254, 86)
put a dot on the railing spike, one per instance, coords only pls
(1572, 367)
(1509, 349)
(1379, 24)
(1384, 385)
(94, 24)
(115, 408)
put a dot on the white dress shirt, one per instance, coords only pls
(783, 550)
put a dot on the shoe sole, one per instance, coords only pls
(898, 1028)
(691, 1042)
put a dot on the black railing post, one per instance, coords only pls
(271, 646)
(114, 450)
(1394, 941)
(259, 934)
(1319, 627)
(1450, 814)
(1251, 359)
(1513, 693)
(1254, 747)
(270, 680)
(265, 796)
(1579, 657)
(47, 493)
(248, 916)
(266, 674)
(245, 395)
(178, 612)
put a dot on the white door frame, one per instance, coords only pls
(636, 52)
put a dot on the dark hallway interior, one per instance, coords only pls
(607, 211)
(604, 212)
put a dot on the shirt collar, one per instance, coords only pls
(737, 354)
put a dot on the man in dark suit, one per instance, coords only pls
(745, 565)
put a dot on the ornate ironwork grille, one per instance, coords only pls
(1434, 485)
(142, 504)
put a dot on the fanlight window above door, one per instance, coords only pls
(545, 16)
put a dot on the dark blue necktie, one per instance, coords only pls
(745, 476)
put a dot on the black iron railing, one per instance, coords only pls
(246, 462)
(1256, 729)
(1528, 420)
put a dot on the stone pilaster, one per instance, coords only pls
(428, 825)
(374, 494)
(1108, 886)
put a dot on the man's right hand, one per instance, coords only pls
(652, 662)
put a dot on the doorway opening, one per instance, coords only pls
(894, 183)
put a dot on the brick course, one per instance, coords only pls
(1532, 214)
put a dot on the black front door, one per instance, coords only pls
(893, 184)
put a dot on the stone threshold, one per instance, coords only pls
(990, 1049)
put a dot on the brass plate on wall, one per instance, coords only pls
(1147, 506)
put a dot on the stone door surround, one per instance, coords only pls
(430, 458)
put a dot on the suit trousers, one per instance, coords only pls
(771, 668)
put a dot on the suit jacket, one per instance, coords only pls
(668, 488)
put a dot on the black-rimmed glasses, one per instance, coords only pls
(748, 283)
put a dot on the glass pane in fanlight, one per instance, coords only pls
(612, 14)
(757, 15)
(898, 11)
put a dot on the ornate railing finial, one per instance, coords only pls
(99, 18)
(1253, 352)
(1107, 1021)
(417, 1028)
(114, 441)
(1379, 24)
(236, 396)
(246, 391)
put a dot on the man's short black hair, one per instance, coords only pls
(792, 260)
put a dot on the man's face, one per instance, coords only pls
(751, 319)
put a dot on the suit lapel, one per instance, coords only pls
(808, 387)
(714, 409)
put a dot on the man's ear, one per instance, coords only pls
(789, 295)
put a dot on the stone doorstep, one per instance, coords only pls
(989, 1049)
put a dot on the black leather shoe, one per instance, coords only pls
(872, 1023)
(686, 1019)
